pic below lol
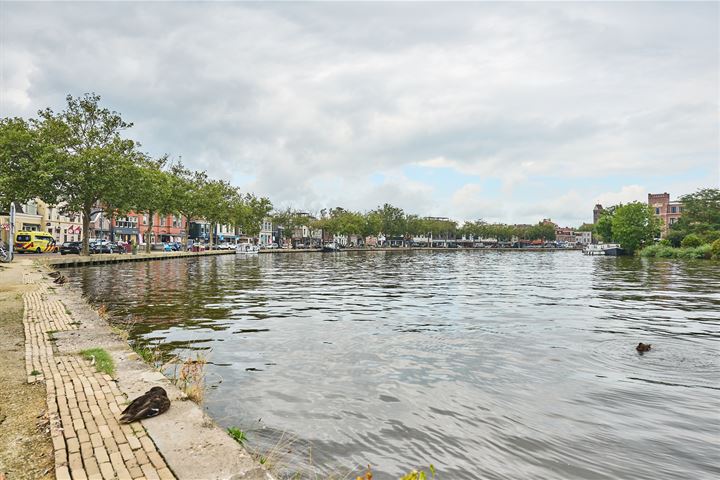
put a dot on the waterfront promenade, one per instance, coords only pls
(83, 404)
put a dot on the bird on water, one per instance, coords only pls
(643, 347)
(151, 404)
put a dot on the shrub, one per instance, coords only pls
(675, 236)
(710, 236)
(691, 241)
(658, 250)
(715, 249)
(702, 251)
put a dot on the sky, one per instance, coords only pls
(508, 112)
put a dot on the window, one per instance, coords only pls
(657, 211)
(673, 220)
(673, 209)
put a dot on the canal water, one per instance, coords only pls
(489, 365)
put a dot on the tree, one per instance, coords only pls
(216, 201)
(634, 225)
(187, 187)
(93, 160)
(541, 231)
(153, 193)
(27, 163)
(289, 220)
(603, 227)
(700, 212)
(247, 212)
(392, 220)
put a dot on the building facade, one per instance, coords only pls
(597, 212)
(266, 232)
(669, 212)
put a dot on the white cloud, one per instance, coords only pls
(627, 194)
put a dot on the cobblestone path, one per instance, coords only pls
(83, 405)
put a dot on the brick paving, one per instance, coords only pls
(83, 405)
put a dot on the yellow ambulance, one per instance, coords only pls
(37, 242)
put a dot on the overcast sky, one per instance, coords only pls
(503, 111)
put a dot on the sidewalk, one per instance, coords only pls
(84, 405)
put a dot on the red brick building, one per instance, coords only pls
(166, 228)
(667, 211)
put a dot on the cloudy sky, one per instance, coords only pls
(502, 111)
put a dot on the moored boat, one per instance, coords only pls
(610, 249)
(246, 249)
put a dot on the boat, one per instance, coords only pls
(246, 249)
(330, 247)
(609, 249)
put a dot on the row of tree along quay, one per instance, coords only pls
(393, 222)
(79, 159)
(696, 234)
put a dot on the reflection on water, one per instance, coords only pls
(488, 364)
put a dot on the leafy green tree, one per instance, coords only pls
(634, 225)
(187, 187)
(700, 211)
(28, 163)
(603, 227)
(93, 159)
(372, 224)
(392, 220)
(153, 193)
(247, 212)
(216, 200)
(541, 231)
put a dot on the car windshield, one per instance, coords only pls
(23, 238)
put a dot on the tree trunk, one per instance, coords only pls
(111, 219)
(211, 235)
(151, 215)
(87, 209)
(187, 231)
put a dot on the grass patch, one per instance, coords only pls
(237, 435)
(35, 373)
(102, 359)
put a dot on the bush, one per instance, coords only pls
(675, 237)
(659, 250)
(702, 251)
(715, 249)
(691, 241)
(710, 236)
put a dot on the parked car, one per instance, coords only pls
(70, 247)
(103, 246)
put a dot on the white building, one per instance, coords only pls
(266, 232)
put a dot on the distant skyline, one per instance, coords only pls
(507, 112)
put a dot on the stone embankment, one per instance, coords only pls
(79, 260)
(84, 405)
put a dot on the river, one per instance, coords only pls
(489, 365)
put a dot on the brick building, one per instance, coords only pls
(597, 212)
(666, 210)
